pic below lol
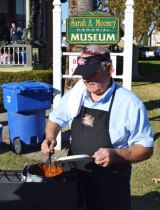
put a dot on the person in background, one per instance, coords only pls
(15, 32)
(110, 124)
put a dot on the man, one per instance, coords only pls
(110, 124)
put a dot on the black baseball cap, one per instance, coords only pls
(89, 65)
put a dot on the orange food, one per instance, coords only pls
(48, 171)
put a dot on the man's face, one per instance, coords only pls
(97, 82)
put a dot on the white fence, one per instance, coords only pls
(16, 54)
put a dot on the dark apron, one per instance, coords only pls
(99, 188)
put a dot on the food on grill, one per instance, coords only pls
(45, 170)
(52, 170)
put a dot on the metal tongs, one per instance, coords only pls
(49, 160)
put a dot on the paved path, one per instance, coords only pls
(4, 122)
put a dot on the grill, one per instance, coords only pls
(17, 195)
(10, 176)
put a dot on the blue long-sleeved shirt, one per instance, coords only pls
(129, 123)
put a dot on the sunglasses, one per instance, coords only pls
(88, 51)
(98, 56)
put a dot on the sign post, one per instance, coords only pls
(57, 54)
(128, 45)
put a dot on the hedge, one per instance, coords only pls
(34, 75)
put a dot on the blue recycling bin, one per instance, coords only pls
(26, 103)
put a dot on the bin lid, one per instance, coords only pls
(27, 85)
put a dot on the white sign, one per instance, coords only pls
(114, 64)
(73, 63)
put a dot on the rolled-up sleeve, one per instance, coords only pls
(60, 114)
(129, 123)
(141, 132)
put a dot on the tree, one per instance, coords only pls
(146, 15)
(146, 19)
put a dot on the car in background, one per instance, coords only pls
(157, 51)
(146, 52)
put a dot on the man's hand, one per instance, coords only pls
(103, 156)
(48, 146)
(133, 154)
(52, 130)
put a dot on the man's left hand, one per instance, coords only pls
(104, 156)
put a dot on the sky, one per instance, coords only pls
(64, 8)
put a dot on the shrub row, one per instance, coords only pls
(35, 75)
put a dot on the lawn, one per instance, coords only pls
(145, 192)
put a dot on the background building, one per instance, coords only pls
(35, 18)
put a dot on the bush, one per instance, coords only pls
(37, 75)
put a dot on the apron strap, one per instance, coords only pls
(110, 107)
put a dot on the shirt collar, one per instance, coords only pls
(106, 96)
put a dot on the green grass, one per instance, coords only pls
(10, 161)
(145, 192)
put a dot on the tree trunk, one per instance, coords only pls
(135, 73)
(76, 7)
